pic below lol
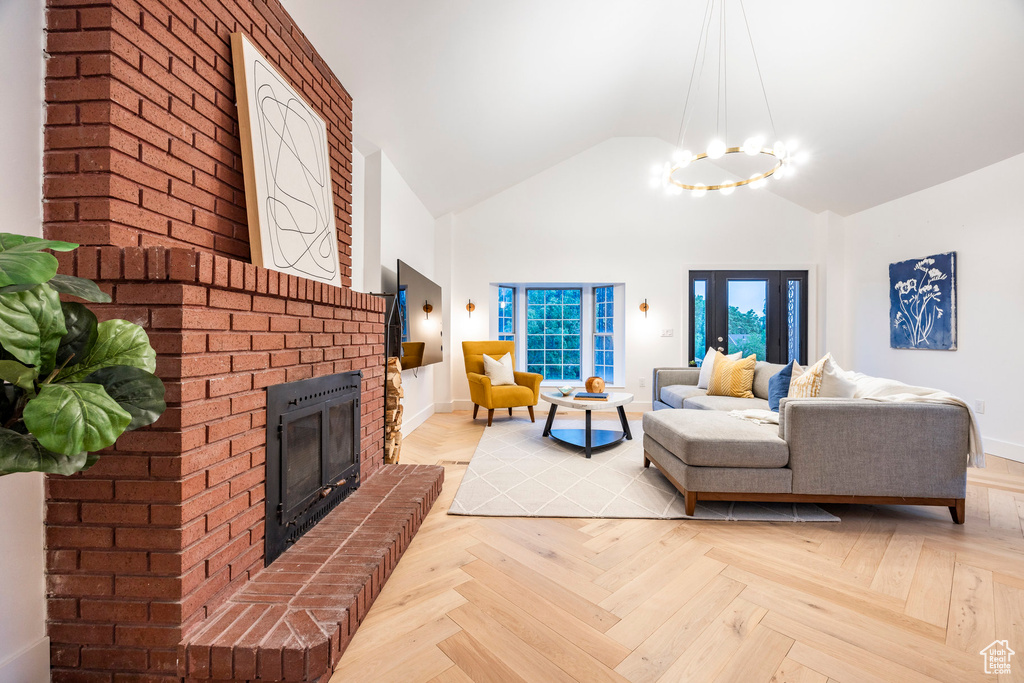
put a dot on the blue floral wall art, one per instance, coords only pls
(922, 303)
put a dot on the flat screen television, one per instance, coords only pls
(419, 311)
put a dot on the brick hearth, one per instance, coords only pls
(142, 166)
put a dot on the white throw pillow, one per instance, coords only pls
(707, 368)
(836, 382)
(499, 371)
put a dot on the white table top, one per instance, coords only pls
(615, 399)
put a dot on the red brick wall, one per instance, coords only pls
(142, 164)
(141, 132)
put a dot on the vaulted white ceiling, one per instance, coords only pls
(468, 97)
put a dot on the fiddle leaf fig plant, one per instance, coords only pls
(69, 384)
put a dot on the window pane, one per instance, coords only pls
(604, 312)
(793, 322)
(748, 302)
(553, 323)
(506, 314)
(700, 304)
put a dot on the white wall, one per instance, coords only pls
(595, 218)
(24, 647)
(358, 220)
(396, 226)
(979, 216)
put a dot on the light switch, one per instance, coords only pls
(667, 333)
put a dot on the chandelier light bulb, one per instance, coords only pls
(716, 150)
(802, 158)
(727, 190)
(681, 158)
(779, 149)
(780, 172)
(791, 146)
(756, 183)
(676, 190)
(700, 191)
(752, 146)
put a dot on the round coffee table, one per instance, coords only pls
(588, 438)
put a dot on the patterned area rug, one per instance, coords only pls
(516, 472)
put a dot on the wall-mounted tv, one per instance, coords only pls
(419, 309)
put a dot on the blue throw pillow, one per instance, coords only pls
(778, 386)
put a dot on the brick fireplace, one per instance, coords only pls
(142, 166)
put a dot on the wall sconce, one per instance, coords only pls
(644, 307)
(427, 308)
(470, 307)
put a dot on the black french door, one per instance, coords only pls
(759, 312)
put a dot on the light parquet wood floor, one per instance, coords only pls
(889, 594)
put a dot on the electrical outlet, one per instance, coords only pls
(979, 407)
(643, 382)
(667, 333)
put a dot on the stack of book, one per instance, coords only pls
(591, 396)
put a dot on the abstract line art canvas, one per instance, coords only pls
(287, 172)
(922, 303)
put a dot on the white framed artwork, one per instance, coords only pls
(287, 172)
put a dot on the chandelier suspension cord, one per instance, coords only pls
(758, 67)
(721, 63)
(725, 74)
(693, 72)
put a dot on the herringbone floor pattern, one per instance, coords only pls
(890, 594)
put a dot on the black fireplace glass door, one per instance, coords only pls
(300, 468)
(341, 438)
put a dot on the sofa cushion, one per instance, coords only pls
(677, 393)
(724, 403)
(763, 372)
(733, 377)
(714, 439)
(778, 386)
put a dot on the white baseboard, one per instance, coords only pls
(409, 424)
(542, 407)
(1004, 449)
(443, 407)
(30, 665)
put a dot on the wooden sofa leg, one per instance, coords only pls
(690, 500)
(647, 461)
(959, 511)
(476, 409)
(510, 412)
(490, 416)
(530, 408)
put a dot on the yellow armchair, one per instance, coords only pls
(525, 392)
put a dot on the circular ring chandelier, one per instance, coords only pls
(780, 153)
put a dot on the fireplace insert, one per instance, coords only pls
(312, 454)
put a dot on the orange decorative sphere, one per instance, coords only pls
(595, 385)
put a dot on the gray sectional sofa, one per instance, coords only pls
(823, 450)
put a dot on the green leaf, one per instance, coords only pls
(82, 332)
(31, 325)
(16, 288)
(17, 374)
(135, 390)
(80, 287)
(23, 453)
(23, 262)
(70, 418)
(118, 342)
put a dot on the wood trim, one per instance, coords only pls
(957, 506)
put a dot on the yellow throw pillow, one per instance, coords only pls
(733, 377)
(808, 384)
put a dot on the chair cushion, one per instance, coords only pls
(714, 439)
(513, 396)
(724, 403)
(675, 394)
(499, 371)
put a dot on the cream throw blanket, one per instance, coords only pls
(882, 389)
